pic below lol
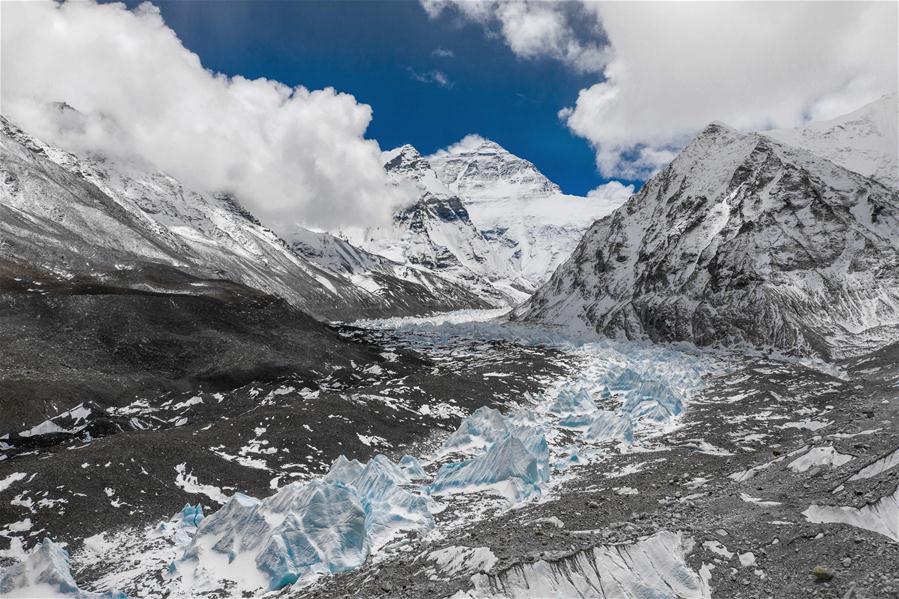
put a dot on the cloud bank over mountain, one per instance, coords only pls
(290, 154)
(669, 68)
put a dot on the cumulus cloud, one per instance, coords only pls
(443, 53)
(469, 143)
(670, 68)
(531, 28)
(612, 194)
(291, 155)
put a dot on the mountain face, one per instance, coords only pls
(523, 215)
(484, 169)
(864, 141)
(406, 287)
(86, 216)
(485, 220)
(436, 234)
(741, 239)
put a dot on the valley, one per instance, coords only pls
(504, 391)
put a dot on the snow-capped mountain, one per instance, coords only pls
(89, 216)
(437, 234)
(524, 216)
(479, 168)
(740, 239)
(865, 141)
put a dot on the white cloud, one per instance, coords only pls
(669, 68)
(469, 143)
(611, 194)
(289, 154)
(531, 28)
(678, 66)
(437, 77)
(443, 53)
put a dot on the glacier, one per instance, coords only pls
(335, 523)
(621, 388)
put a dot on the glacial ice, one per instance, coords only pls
(412, 467)
(45, 573)
(610, 426)
(513, 467)
(183, 526)
(318, 527)
(652, 399)
(484, 427)
(570, 402)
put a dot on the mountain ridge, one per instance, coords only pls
(741, 239)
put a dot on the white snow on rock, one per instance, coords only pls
(881, 517)
(819, 456)
(189, 483)
(700, 254)
(5, 483)
(436, 234)
(522, 214)
(717, 548)
(124, 212)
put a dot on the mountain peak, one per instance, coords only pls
(481, 169)
(480, 145)
(404, 153)
(701, 254)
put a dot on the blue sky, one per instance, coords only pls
(374, 50)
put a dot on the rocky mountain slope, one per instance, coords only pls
(741, 239)
(524, 216)
(87, 216)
